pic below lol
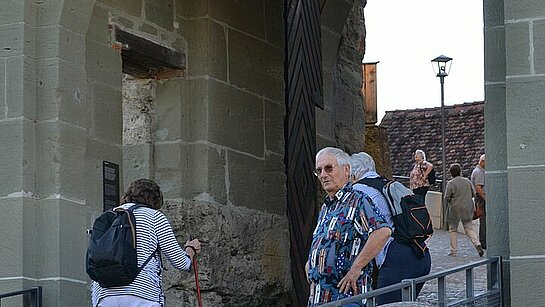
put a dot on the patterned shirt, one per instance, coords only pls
(417, 178)
(344, 225)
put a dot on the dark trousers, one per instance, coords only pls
(402, 262)
(482, 225)
(421, 191)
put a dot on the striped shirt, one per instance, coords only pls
(152, 229)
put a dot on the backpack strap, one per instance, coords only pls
(376, 183)
(157, 250)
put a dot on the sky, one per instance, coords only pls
(404, 36)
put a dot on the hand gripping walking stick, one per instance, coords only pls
(196, 271)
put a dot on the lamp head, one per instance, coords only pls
(443, 65)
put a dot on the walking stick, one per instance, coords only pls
(197, 280)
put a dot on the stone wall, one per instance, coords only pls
(342, 122)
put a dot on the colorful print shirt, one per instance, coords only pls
(344, 224)
(416, 178)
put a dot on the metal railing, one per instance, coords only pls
(32, 297)
(405, 180)
(492, 297)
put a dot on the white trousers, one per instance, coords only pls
(126, 301)
(468, 228)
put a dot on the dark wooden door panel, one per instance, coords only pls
(303, 84)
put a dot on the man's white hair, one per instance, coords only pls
(341, 156)
(420, 153)
(361, 163)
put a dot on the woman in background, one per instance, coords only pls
(418, 179)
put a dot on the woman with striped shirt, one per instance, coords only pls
(153, 230)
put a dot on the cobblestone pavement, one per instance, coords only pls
(455, 284)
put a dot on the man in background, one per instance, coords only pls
(477, 179)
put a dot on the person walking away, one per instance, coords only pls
(418, 178)
(350, 232)
(477, 179)
(460, 207)
(152, 230)
(396, 261)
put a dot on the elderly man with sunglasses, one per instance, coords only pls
(350, 232)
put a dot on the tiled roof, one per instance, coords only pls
(409, 130)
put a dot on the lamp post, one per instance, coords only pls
(441, 72)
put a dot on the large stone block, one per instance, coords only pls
(207, 48)
(494, 50)
(12, 243)
(160, 13)
(138, 161)
(3, 89)
(194, 99)
(107, 123)
(12, 38)
(73, 220)
(495, 123)
(497, 210)
(527, 283)
(58, 41)
(243, 15)
(12, 12)
(11, 156)
(64, 293)
(274, 127)
(20, 87)
(525, 111)
(256, 66)
(330, 46)
(243, 245)
(539, 46)
(324, 123)
(132, 7)
(274, 22)
(208, 164)
(493, 13)
(526, 193)
(169, 110)
(522, 10)
(98, 30)
(334, 15)
(60, 163)
(517, 48)
(235, 119)
(103, 64)
(262, 188)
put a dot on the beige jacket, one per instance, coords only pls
(459, 200)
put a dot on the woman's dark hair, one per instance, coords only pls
(455, 170)
(145, 192)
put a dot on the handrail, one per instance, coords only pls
(34, 294)
(408, 286)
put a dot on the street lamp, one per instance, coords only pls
(441, 72)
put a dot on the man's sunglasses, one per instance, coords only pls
(327, 168)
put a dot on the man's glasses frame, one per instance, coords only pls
(328, 168)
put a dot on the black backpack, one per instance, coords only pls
(111, 256)
(411, 218)
(431, 176)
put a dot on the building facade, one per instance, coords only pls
(193, 94)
